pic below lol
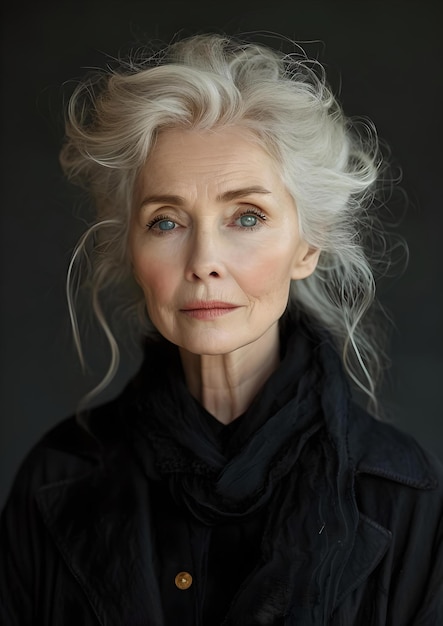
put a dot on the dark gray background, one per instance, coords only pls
(388, 58)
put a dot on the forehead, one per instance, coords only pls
(218, 157)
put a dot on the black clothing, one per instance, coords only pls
(305, 511)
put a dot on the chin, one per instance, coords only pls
(212, 346)
(209, 349)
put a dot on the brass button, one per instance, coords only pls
(183, 580)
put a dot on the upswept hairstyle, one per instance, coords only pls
(329, 163)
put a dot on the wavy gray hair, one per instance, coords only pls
(330, 164)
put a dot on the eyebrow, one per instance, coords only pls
(241, 193)
(224, 197)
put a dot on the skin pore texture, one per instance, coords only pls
(214, 245)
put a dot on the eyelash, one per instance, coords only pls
(158, 218)
(257, 213)
(252, 211)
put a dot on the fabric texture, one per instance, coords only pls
(305, 511)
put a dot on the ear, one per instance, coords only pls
(305, 263)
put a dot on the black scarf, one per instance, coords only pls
(228, 471)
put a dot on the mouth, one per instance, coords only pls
(208, 304)
(208, 309)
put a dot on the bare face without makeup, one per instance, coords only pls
(215, 241)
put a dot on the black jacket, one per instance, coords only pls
(321, 516)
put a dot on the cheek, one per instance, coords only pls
(267, 274)
(156, 279)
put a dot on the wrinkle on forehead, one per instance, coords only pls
(217, 161)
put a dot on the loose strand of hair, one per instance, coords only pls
(75, 275)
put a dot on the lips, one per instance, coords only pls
(207, 305)
(208, 309)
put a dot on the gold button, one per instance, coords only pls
(183, 580)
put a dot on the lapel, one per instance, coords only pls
(101, 525)
(370, 545)
(287, 583)
(318, 551)
(378, 449)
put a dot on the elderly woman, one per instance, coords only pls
(234, 481)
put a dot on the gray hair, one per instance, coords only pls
(330, 164)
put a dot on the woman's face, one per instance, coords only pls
(214, 240)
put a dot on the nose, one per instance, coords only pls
(204, 260)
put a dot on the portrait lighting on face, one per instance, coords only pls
(211, 244)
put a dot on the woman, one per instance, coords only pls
(234, 481)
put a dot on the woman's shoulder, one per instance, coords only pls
(68, 450)
(381, 449)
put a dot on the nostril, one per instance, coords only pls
(204, 275)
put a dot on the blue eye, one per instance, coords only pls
(161, 224)
(251, 219)
(166, 225)
(248, 221)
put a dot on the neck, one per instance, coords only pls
(226, 384)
